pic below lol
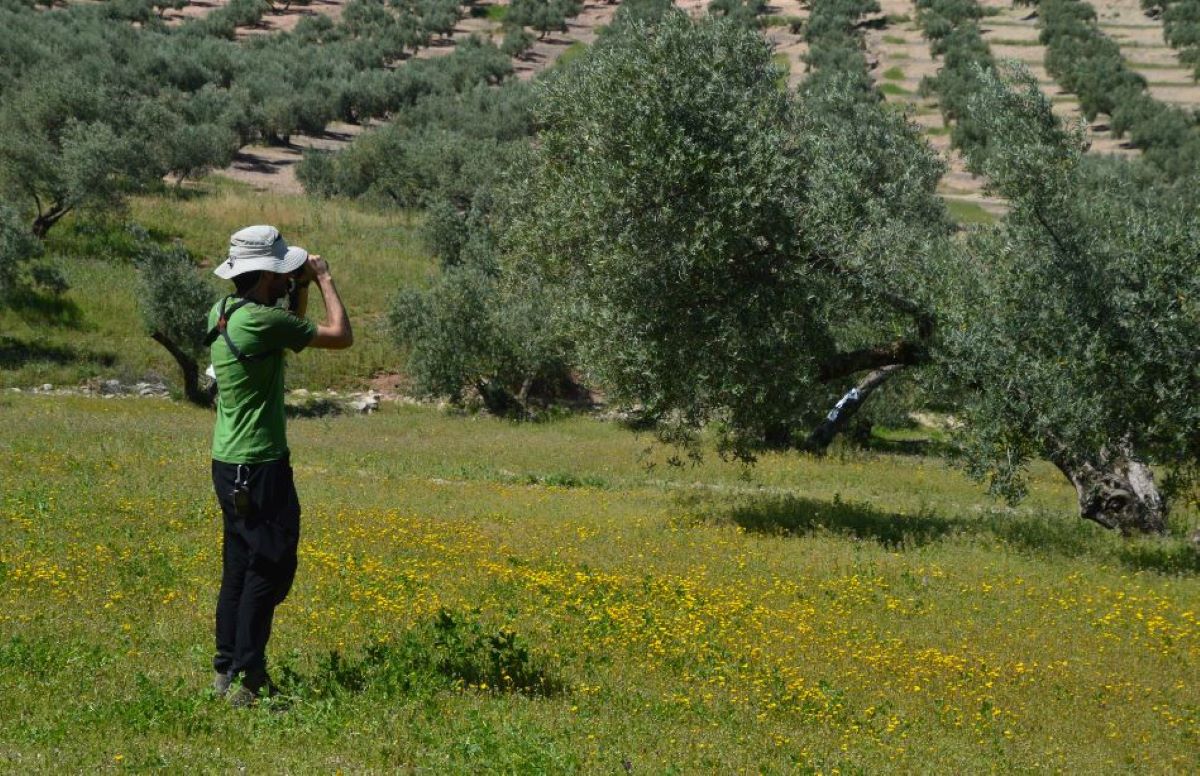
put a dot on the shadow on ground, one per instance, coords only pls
(46, 310)
(16, 353)
(1041, 533)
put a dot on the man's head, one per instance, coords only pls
(260, 263)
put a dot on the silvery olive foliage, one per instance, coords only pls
(544, 16)
(722, 244)
(475, 329)
(1072, 330)
(17, 247)
(174, 301)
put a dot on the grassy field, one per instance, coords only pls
(479, 596)
(96, 331)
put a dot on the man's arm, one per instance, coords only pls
(298, 301)
(335, 332)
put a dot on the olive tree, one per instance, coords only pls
(545, 16)
(475, 328)
(68, 141)
(727, 254)
(1070, 332)
(17, 247)
(175, 301)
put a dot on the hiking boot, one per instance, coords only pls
(252, 688)
(243, 697)
(221, 683)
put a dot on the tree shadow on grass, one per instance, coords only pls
(105, 239)
(15, 353)
(184, 193)
(912, 447)
(46, 309)
(1034, 533)
(796, 516)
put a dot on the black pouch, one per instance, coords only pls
(243, 505)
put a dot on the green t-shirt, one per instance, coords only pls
(250, 423)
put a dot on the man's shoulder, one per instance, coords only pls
(270, 313)
(281, 328)
(214, 312)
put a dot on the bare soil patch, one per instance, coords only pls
(273, 168)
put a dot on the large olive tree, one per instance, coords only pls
(727, 252)
(1070, 332)
(734, 255)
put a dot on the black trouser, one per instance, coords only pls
(258, 563)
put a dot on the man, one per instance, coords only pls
(251, 471)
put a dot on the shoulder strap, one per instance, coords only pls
(222, 329)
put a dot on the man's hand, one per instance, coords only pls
(316, 268)
(335, 332)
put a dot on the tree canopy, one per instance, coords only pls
(698, 216)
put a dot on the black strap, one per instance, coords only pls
(222, 329)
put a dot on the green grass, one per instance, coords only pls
(1014, 42)
(572, 52)
(862, 613)
(964, 212)
(782, 62)
(496, 13)
(95, 330)
(895, 40)
(894, 73)
(894, 90)
(1158, 66)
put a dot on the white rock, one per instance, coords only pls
(366, 404)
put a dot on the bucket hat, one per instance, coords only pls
(258, 248)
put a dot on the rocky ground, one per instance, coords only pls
(299, 402)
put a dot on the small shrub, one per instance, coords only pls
(454, 650)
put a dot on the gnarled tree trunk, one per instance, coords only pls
(190, 369)
(1116, 490)
(839, 417)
